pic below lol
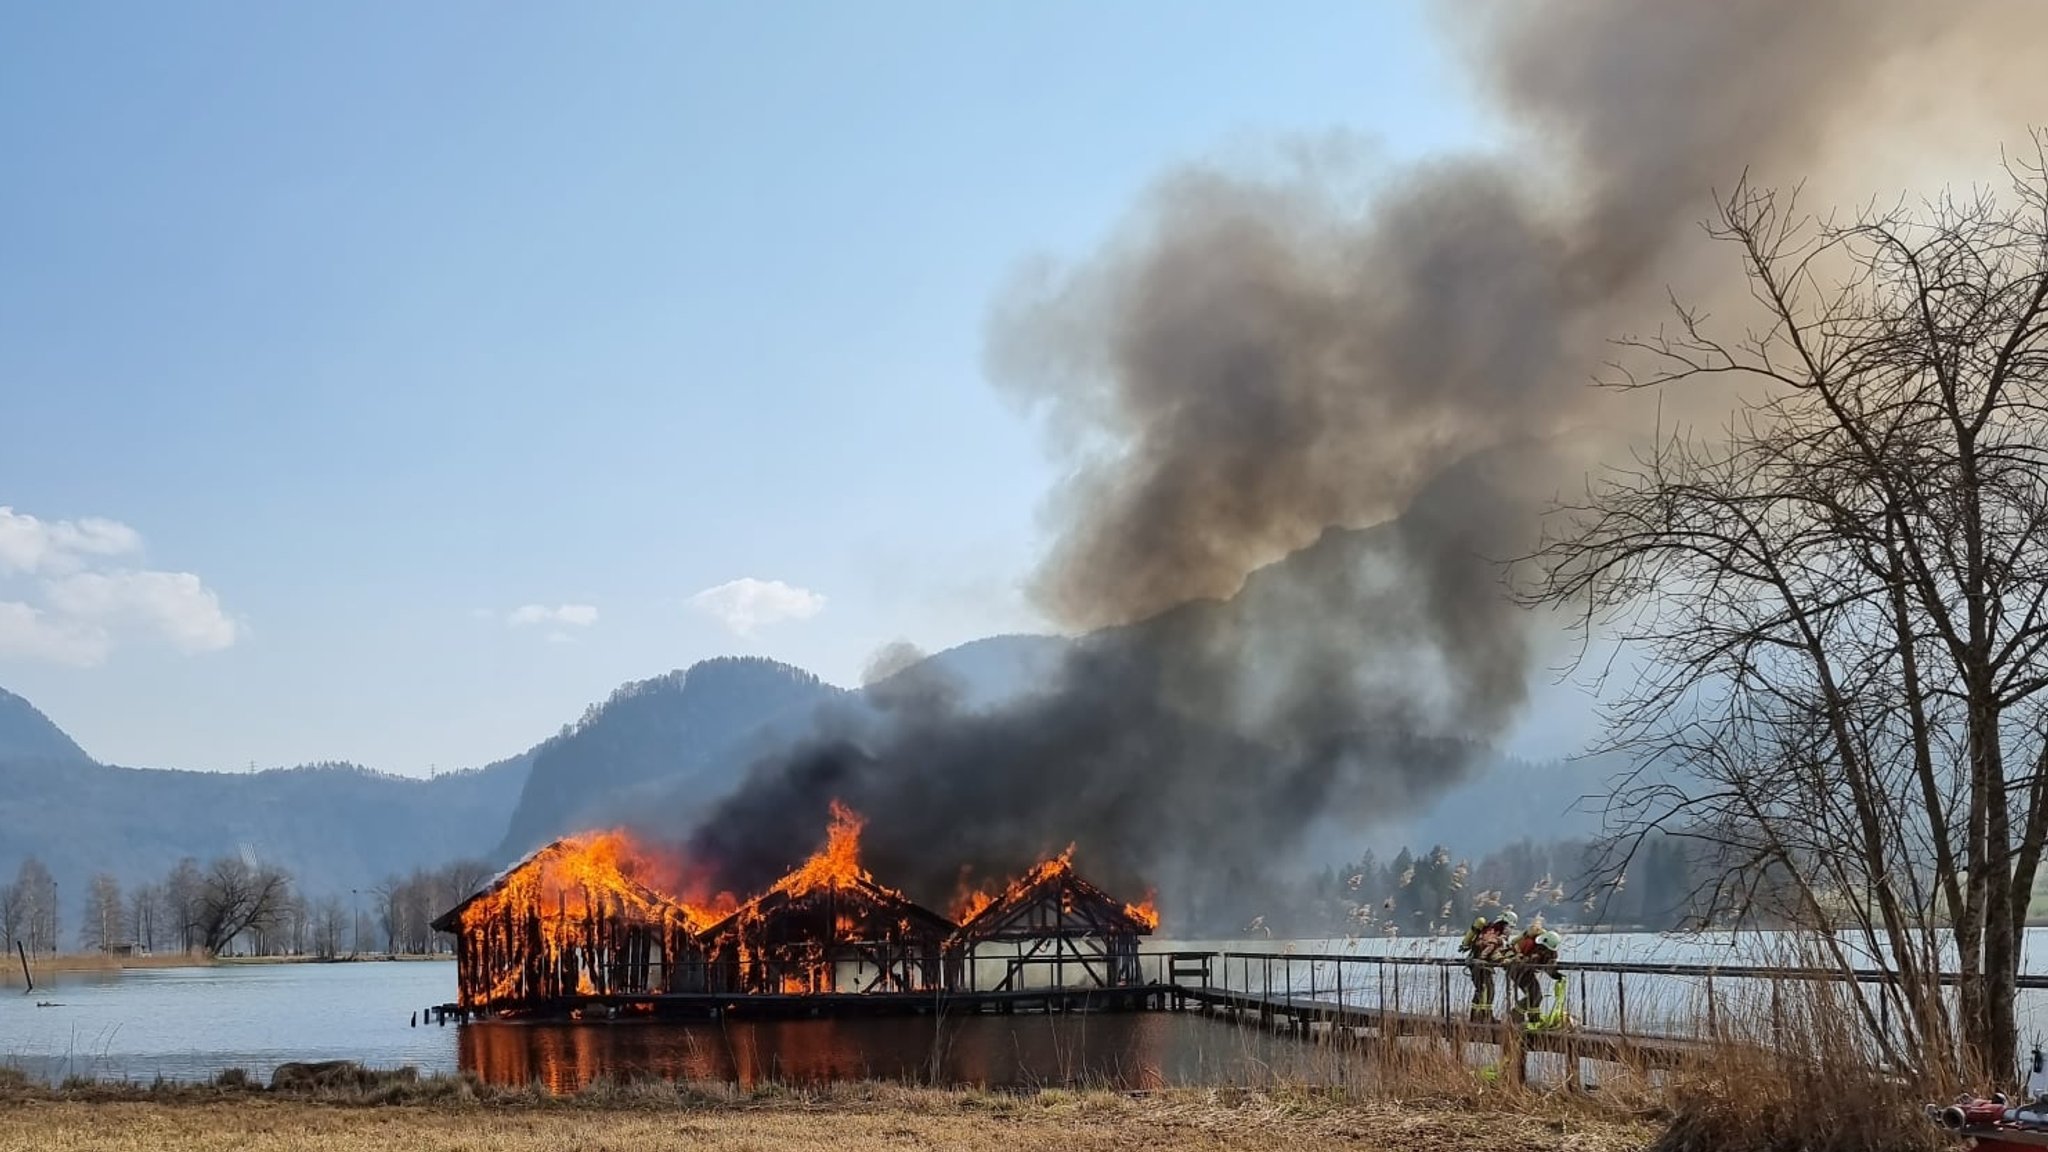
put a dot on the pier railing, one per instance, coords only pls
(1649, 1000)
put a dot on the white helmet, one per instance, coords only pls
(1550, 940)
(1506, 916)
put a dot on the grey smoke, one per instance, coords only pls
(890, 660)
(1263, 365)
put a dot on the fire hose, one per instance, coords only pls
(1990, 1112)
(1971, 1112)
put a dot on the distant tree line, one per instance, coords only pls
(406, 905)
(232, 906)
(1561, 881)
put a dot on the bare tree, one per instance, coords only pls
(13, 916)
(330, 927)
(1841, 598)
(102, 928)
(147, 922)
(283, 931)
(235, 897)
(183, 892)
(36, 890)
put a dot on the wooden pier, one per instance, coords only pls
(1318, 997)
(1304, 1015)
(1622, 1013)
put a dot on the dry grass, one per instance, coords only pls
(851, 1118)
(1802, 1083)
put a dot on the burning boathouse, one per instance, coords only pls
(587, 924)
(573, 920)
(829, 927)
(1050, 928)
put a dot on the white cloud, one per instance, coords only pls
(30, 545)
(747, 603)
(78, 594)
(574, 615)
(174, 605)
(29, 633)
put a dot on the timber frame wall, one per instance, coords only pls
(543, 951)
(621, 938)
(841, 937)
(1056, 927)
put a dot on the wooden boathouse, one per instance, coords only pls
(1049, 929)
(568, 922)
(841, 934)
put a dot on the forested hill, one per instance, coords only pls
(691, 729)
(333, 826)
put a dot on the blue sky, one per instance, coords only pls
(388, 382)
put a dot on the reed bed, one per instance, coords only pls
(455, 1112)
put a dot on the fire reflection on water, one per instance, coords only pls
(1141, 1050)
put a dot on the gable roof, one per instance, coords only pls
(1063, 901)
(782, 899)
(540, 858)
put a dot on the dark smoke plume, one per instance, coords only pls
(1260, 368)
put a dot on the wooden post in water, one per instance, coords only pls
(24, 968)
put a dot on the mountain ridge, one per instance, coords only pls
(27, 734)
(657, 752)
(676, 728)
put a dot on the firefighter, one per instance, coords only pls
(1534, 953)
(1483, 943)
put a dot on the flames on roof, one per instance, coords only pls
(829, 926)
(602, 914)
(980, 911)
(578, 917)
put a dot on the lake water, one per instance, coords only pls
(188, 1023)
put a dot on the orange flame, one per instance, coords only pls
(969, 903)
(972, 903)
(559, 915)
(566, 889)
(838, 862)
(570, 877)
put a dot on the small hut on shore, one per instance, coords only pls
(1049, 929)
(572, 920)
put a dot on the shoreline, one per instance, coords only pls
(67, 963)
(73, 963)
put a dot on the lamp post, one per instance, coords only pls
(355, 945)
